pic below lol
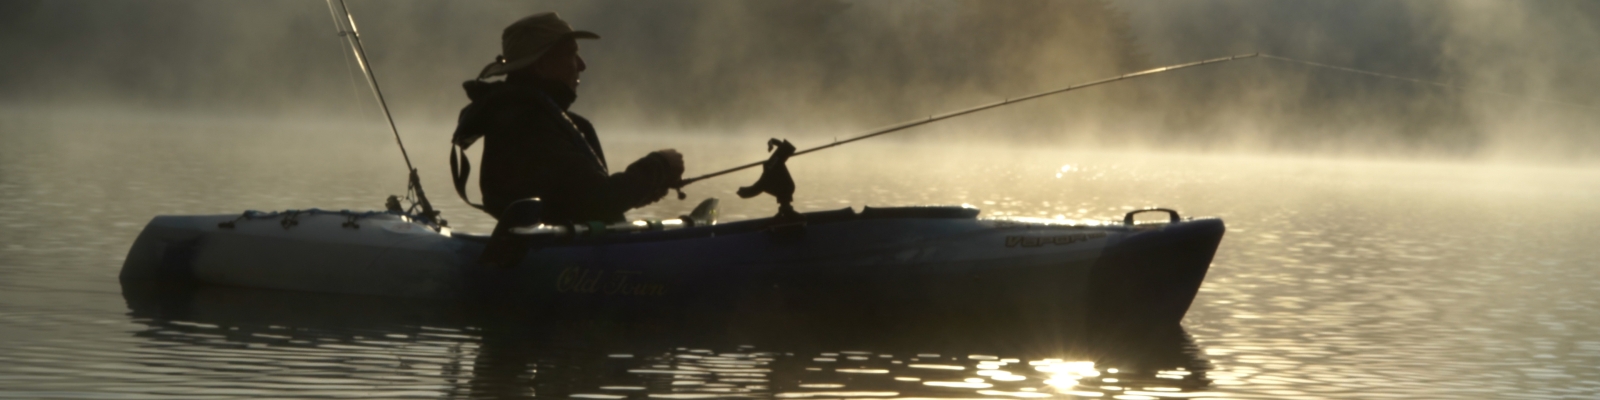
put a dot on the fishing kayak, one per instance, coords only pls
(935, 260)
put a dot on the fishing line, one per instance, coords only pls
(1423, 82)
(347, 29)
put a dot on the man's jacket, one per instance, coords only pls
(534, 147)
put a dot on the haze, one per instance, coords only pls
(815, 70)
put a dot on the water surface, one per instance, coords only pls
(1338, 279)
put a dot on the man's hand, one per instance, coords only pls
(674, 168)
(660, 170)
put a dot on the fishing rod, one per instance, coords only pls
(953, 114)
(347, 29)
(940, 117)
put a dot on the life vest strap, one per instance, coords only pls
(460, 172)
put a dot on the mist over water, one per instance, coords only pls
(1386, 239)
(824, 69)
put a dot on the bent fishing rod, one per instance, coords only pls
(1169, 68)
(346, 24)
(940, 117)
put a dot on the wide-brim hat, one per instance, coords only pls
(529, 38)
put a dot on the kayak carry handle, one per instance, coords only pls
(1128, 218)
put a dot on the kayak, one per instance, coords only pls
(901, 260)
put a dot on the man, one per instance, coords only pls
(535, 147)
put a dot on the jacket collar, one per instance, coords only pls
(557, 91)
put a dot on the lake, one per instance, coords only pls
(1337, 278)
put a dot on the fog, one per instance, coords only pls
(1384, 237)
(817, 70)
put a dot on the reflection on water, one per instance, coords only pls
(1337, 279)
(231, 341)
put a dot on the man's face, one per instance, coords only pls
(562, 63)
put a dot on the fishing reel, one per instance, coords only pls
(775, 180)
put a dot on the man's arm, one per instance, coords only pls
(539, 155)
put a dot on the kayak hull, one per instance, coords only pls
(840, 265)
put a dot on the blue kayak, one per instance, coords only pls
(937, 260)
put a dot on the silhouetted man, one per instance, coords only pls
(534, 147)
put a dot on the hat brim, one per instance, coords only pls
(499, 68)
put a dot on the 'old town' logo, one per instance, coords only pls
(611, 283)
(1058, 240)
